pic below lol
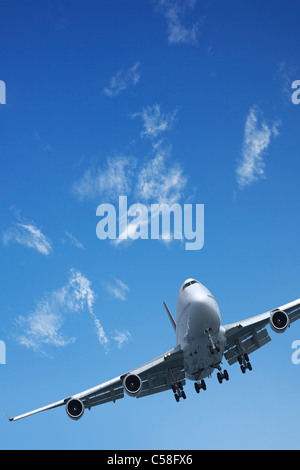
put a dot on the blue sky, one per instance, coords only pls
(161, 101)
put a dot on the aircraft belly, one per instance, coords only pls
(198, 359)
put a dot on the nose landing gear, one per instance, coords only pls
(213, 347)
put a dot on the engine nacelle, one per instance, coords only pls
(74, 408)
(132, 385)
(279, 321)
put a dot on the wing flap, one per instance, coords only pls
(293, 310)
(252, 342)
(162, 381)
(105, 397)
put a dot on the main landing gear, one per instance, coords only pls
(178, 391)
(200, 386)
(244, 363)
(222, 376)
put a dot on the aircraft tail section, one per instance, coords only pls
(173, 322)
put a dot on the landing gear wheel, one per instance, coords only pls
(203, 385)
(198, 386)
(178, 391)
(222, 376)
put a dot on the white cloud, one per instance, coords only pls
(154, 121)
(157, 179)
(29, 235)
(173, 11)
(111, 181)
(122, 80)
(117, 288)
(121, 337)
(160, 181)
(74, 241)
(44, 326)
(257, 137)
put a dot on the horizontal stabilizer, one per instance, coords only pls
(173, 322)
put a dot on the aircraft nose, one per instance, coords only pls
(204, 315)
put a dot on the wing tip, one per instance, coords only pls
(7, 417)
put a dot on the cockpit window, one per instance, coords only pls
(189, 284)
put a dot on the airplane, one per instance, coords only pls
(201, 344)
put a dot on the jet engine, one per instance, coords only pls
(279, 321)
(132, 385)
(74, 408)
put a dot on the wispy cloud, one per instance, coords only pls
(44, 326)
(122, 80)
(174, 11)
(117, 288)
(161, 181)
(154, 121)
(155, 179)
(121, 337)
(73, 240)
(257, 137)
(111, 180)
(29, 235)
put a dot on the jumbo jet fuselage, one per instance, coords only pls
(198, 330)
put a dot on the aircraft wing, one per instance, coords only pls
(247, 336)
(153, 377)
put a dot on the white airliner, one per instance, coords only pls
(201, 343)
